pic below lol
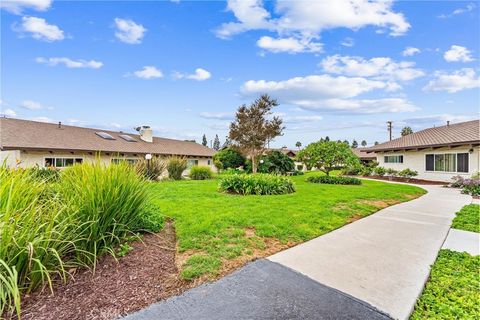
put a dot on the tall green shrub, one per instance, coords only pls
(107, 201)
(175, 167)
(200, 173)
(228, 158)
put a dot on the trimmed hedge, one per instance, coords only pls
(200, 173)
(257, 184)
(334, 180)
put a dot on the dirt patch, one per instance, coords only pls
(354, 218)
(380, 204)
(145, 275)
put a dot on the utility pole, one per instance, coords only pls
(390, 129)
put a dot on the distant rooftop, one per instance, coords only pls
(32, 135)
(449, 135)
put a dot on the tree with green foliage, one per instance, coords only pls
(327, 155)
(327, 138)
(228, 158)
(273, 162)
(227, 143)
(298, 145)
(204, 140)
(346, 142)
(376, 143)
(254, 127)
(364, 143)
(354, 144)
(216, 143)
(406, 131)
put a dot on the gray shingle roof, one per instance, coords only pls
(25, 134)
(448, 135)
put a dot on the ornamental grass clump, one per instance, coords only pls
(150, 169)
(107, 202)
(36, 233)
(175, 167)
(334, 180)
(256, 184)
(201, 173)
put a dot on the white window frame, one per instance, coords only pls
(55, 166)
(456, 159)
(194, 164)
(394, 155)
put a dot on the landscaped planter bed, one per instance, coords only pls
(411, 180)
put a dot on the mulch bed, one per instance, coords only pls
(145, 275)
(412, 180)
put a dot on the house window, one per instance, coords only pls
(191, 163)
(447, 162)
(209, 162)
(61, 162)
(119, 160)
(393, 159)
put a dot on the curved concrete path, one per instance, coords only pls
(374, 268)
(383, 259)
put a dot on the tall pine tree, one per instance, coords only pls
(204, 140)
(216, 143)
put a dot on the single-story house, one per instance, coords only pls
(364, 156)
(27, 143)
(437, 153)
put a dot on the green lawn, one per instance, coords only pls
(213, 228)
(452, 292)
(468, 218)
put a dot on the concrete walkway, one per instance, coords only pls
(383, 259)
(373, 268)
(463, 241)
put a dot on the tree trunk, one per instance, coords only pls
(254, 164)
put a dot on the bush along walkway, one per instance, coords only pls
(374, 268)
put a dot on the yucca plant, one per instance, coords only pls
(258, 184)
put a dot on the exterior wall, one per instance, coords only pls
(28, 159)
(415, 160)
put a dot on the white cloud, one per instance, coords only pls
(8, 113)
(348, 42)
(379, 68)
(129, 31)
(217, 115)
(410, 51)
(199, 75)
(439, 119)
(306, 20)
(289, 45)
(453, 82)
(148, 72)
(312, 87)
(17, 6)
(31, 105)
(364, 106)
(40, 29)
(458, 54)
(469, 7)
(43, 119)
(69, 63)
(301, 119)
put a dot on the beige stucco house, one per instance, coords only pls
(437, 154)
(25, 143)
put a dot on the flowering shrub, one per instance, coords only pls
(471, 187)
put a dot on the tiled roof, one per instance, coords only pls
(362, 153)
(25, 134)
(448, 135)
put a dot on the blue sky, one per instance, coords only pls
(338, 68)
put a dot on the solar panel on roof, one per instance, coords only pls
(126, 137)
(104, 135)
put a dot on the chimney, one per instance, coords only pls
(146, 133)
(448, 123)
